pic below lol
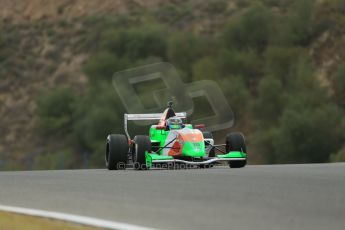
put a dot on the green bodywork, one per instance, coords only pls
(150, 157)
(234, 154)
(160, 136)
(194, 149)
(191, 149)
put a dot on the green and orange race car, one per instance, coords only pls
(171, 144)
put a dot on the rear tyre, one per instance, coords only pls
(236, 142)
(141, 145)
(116, 152)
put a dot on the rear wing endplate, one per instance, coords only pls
(146, 117)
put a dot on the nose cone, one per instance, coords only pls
(190, 135)
(194, 149)
(193, 142)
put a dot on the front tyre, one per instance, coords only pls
(116, 152)
(237, 164)
(236, 142)
(141, 145)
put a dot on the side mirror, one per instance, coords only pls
(199, 126)
(160, 127)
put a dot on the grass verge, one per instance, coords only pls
(11, 221)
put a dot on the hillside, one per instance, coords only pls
(46, 45)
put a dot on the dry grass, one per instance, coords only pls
(9, 221)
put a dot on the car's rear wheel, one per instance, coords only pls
(141, 145)
(116, 152)
(236, 142)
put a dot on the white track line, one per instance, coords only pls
(83, 220)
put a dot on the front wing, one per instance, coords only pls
(153, 158)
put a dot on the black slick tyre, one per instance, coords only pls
(141, 145)
(116, 152)
(236, 142)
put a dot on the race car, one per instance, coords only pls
(172, 143)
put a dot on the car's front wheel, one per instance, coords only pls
(237, 164)
(236, 142)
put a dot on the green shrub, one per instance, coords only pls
(308, 136)
(303, 25)
(339, 156)
(102, 66)
(303, 87)
(262, 144)
(95, 124)
(55, 111)
(61, 159)
(237, 94)
(63, 23)
(61, 8)
(136, 43)
(97, 156)
(250, 30)
(53, 54)
(338, 81)
(281, 61)
(206, 68)
(96, 115)
(247, 64)
(7, 47)
(184, 49)
(243, 3)
(2, 41)
(216, 6)
(269, 105)
(277, 3)
(172, 13)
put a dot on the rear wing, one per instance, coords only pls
(146, 117)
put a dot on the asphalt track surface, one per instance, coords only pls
(254, 197)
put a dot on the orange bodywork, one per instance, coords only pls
(176, 149)
(191, 137)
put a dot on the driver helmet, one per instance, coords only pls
(175, 123)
